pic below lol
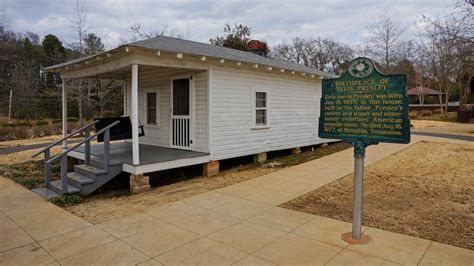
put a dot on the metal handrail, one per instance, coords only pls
(82, 142)
(64, 138)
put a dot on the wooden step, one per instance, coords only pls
(56, 186)
(89, 171)
(98, 162)
(78, 180)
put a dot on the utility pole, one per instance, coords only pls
(10, 108)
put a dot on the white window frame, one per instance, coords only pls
(254, 109)
(145, 123)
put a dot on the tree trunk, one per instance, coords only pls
(79, 103)
(440, 98)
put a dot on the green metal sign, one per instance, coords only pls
(365, 106)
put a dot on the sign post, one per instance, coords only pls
(364, 107)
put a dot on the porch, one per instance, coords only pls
(164, 95)
(166, 102)
(152, 158)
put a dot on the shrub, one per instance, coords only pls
(47, 130)
(9, 125)
(57, 121)
(19, 133)
(24, 124)
(413, 114)
(426, 113)
(437, 111)
(37, 132)
(42, 123)
(67, 200)
(72, 119)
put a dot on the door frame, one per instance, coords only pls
(191, 110)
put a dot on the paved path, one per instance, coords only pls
(239, 224)
(13, 149)
(442, 135)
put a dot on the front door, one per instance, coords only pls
(181, 114)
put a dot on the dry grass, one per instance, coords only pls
(426, 190)
(22, 142)
(430, 123)
(25, 156)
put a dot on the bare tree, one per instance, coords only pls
(458, 24)
(385, 38)
(448, 47)
(323, 54)
(164, 31)
(80, 24)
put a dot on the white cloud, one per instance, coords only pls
(271, 20)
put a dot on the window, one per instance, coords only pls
(151, 108)
(260, 108)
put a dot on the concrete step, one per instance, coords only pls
(78, 180)
(56, 186)
(45, 193)
(89, 171)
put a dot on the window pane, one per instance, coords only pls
(151, 108)
(151, 116)
(261, 117)
(261, 99)
(181, 97)
(151, 99)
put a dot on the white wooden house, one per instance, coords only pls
(198, 104)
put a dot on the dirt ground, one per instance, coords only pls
(425, 190)
(101, 208)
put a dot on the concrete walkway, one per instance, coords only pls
(239, 224)
(442, 135)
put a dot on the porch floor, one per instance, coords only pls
(121, 153)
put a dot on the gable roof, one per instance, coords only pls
(169, 44)
(422, 91)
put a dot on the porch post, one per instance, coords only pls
(64, 114)
(134, 118)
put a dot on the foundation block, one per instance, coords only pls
(296, 151)
(139, 183)
(211, 168)
(260, 158)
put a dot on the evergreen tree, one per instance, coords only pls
(93, 44)
(237, 37)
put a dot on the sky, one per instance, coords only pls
(272, 21)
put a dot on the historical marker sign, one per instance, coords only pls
(365, 105)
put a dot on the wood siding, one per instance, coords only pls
(293, 112)
(159, 80)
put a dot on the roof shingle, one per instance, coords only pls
(169, 44)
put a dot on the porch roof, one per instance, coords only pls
(175, 45)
